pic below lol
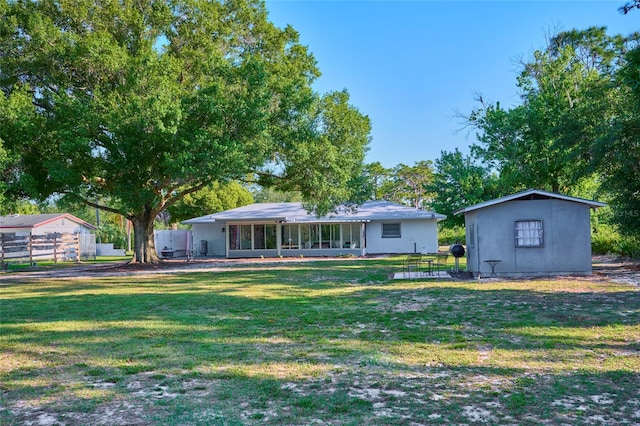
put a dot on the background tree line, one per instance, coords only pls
(576, 130)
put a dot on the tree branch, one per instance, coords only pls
(175, 198)
(628, 7)
(98, 206)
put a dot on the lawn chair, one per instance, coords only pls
(411, 264)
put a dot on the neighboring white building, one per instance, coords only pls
(19, 231)
(286, 229)
(531, 232)
(43, 224)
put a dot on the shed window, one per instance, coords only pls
(529, 233)
(391, 230)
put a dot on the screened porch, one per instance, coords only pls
(295, 239)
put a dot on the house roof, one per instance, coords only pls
(36, 220)
(294, 212)
(529, 194)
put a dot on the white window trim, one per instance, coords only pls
(526, 236)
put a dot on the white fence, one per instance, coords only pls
(177, 242)
(87, 246)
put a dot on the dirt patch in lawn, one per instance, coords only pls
(618, 270)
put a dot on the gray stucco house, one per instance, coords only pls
(531, 232)
(287, 229)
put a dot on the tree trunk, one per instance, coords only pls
(144, 247)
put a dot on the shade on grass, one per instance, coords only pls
(335, 342)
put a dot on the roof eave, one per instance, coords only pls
(592, 204)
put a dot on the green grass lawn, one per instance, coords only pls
(24, 265)
(326, 342)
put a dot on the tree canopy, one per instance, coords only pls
(460, 181)
(210, 199)
(567, 94)
(3, 163)
(144, 103)
(402, 184)
(619, 151)
(577, 121)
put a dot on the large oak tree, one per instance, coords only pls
(143, 102)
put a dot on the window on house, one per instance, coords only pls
(391, 230)
(314, 236)
(245, 237)
(234, 237)
(330, 235)
(290, 237)
(264, 237)
(258, 237)
(270, 232)
(529, 233)
(351, 235)
(239, 237)
(305, 238)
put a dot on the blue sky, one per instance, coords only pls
(411, 66)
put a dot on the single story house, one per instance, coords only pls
(287, 229)
(531, 232)
(43, 224)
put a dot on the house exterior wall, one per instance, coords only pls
(566, 233)
(417, 236)
(61, 226)
(19, 232)
(213, 235)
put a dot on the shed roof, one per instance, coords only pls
(36, 220)
(530, 194)
(294, 212)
